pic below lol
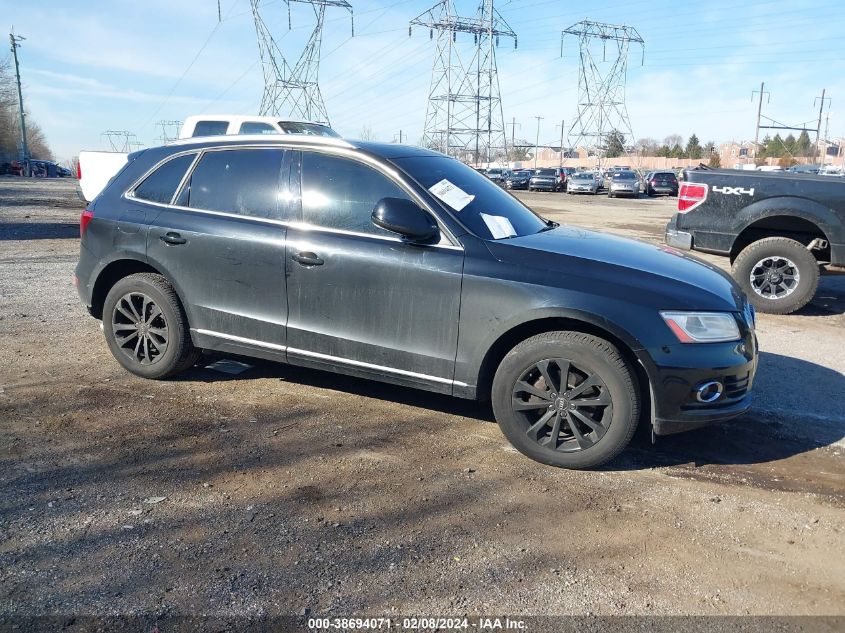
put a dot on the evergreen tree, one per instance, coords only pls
(693, 149)
(803, 146)
(615, 144)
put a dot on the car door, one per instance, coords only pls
(361, 299)
(222, 243)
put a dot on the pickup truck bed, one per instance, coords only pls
(776, 228)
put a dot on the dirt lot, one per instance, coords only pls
(285, 491)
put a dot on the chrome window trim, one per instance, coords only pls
(297, 224)
(337, 359)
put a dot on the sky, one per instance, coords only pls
(103, 65)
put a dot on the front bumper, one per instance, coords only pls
(545, 185)
(677, 370)
(624, 191)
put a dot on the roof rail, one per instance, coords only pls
(251, 138)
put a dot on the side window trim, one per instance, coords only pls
(186, 177)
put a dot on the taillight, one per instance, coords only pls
(84, 220)
(78, 170)
(691, 195)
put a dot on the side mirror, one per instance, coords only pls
(406, 218)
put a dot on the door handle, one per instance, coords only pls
(307, 258)
(172, 238)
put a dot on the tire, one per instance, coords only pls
(609, 195)
(777, 256)
(130, 307)
(612, 424)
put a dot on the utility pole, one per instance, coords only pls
(14, 39)
(562, 123)
(537, 144)
(513, 134)
(759, 113)
(819, 126)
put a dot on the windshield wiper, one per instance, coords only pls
(550, 224)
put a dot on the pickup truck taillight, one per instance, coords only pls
(84, 220)
(691, 195)
(78, 169)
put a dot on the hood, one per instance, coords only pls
(622, 268)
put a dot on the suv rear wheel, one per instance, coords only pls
(778, 274)
(146, 328)
(566, 399)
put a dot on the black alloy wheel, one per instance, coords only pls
(566, 399)
(140, 328)
(146, 327)
(564, 407)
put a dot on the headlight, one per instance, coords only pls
(702, 327)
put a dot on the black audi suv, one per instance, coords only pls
(403, 265)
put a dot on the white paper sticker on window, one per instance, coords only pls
(500, 227)
(451, 194)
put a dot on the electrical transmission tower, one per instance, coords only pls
(293, 91)
(121, 140)
(601, 82)
(464, 115)
(169, 130)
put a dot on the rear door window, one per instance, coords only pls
(339, 193)
(160, 185)
(210, 128)
(240, 181)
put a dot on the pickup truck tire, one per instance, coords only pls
(146, 328)
(778, 274)
(569, 386)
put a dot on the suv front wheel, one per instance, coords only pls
(566, 399)
(146, 328)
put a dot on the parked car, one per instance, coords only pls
(402, 265)
(518, 179)
(777, 229)
(498, 175)
(660, 182)
(583, 182)
(624, 183)
(95, 168)
(545, 180)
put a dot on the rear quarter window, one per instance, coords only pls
(160, 185)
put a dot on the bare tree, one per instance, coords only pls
(673, 139)
(366, 134)
(647, 146)
(10, 133)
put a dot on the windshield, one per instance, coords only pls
(492, 213)
(582, 176)
(309, 129)
(624, 175)
(545, 172)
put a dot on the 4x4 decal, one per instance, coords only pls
(733, 191)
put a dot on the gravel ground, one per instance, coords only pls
(285, 491)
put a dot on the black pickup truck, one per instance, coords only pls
(777, 229)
